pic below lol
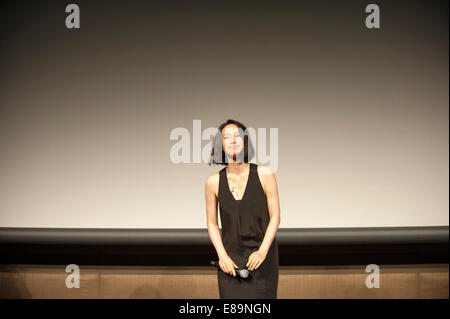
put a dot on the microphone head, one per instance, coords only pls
(243, 273)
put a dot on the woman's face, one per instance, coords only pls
(232, 142)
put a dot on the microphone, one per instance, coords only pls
(242, 273)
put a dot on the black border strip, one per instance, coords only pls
(285, 236)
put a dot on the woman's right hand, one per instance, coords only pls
(227, 265)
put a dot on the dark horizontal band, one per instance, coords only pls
(288, 236)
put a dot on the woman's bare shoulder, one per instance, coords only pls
(265, 169)
(212, 182)
(263, 172)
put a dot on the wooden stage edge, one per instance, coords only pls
(197, 282)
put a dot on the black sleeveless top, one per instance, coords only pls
(244, 224)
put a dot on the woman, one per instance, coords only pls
(249, 213)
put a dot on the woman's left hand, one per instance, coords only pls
(256, 259)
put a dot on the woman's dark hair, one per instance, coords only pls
(219, 159)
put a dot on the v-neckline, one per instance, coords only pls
(246, 185)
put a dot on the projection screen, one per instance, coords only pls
(353, 121)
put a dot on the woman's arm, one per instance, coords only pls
(225, 262)
(273, 204)
(211, 215)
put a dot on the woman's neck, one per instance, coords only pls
(237, 168)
